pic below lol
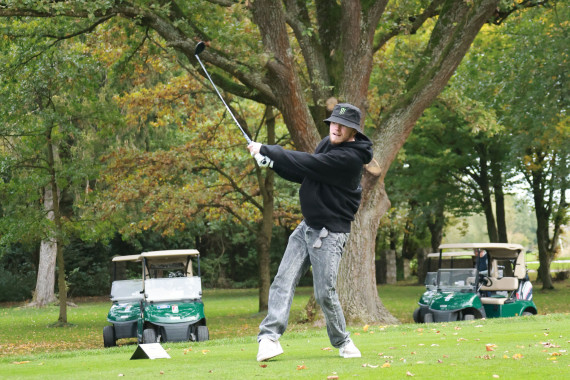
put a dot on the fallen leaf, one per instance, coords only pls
(549, 345)
(408, 373)
(162, 372)
(365, 328)
(263, 365)
(300, 367)
(386, 365)
(326, 349)
(23, 362)
(439, 361)
(370, 365)
(489, 348)
(121, 375)
(356, 333)
(334, 377)
(517, 356)
(495, 376)
(555, 354)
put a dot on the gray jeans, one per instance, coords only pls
(301, 253)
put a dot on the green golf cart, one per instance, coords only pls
(476, 280)
(126, 296)
(169, 307)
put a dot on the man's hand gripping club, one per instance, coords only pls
(262, 161)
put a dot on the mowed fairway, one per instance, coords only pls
(532, 347)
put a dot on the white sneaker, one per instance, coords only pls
(268, 349)
(349, 351)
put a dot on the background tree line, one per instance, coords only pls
(111, 136)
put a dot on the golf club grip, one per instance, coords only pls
(223, 101)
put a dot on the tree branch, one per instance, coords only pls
(402, 25)
(502, 14)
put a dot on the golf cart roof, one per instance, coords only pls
(173, 254)
(452, 254)
(133, 258)
(505, 250)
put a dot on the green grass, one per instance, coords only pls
(524, 346)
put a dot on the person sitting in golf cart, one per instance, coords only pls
(482, 265)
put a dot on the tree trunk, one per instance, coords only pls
(422, 265)
(357, 277)
(544, 257)
(542, 226)
(497, 179)
(58, 230)
(45, 282)
(486, 201)
(435, 223)
(265, 231)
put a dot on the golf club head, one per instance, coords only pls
(200, 46)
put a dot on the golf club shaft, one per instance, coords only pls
(223, 101)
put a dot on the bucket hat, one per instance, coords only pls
(346, 114)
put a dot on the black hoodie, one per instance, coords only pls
(330, 179)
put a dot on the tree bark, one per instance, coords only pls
(58, 229)
(266, 228)
(542, 213)
(45, 282)
(435, 223)
(357, 275)
(497, 180)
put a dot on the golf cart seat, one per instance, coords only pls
(508, 284)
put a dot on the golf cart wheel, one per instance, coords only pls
(202, 334)
(428, 318)
(416, 315)
(468, 317)
(109, 336)
(149, 336)
(526, 314)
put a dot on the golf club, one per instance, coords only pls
(200, 48)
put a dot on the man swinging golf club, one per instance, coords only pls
(330, 195)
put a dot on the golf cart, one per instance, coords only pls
(169, 304)
(126, 296)
(476, 280)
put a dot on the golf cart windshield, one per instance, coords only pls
(173, 289)
(456, 280)
(431, 280)
(126, 290)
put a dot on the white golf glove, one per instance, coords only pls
(263, 161)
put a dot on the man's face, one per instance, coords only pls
(339, 133)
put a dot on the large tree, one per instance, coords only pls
(295, 55)
(46, 109)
